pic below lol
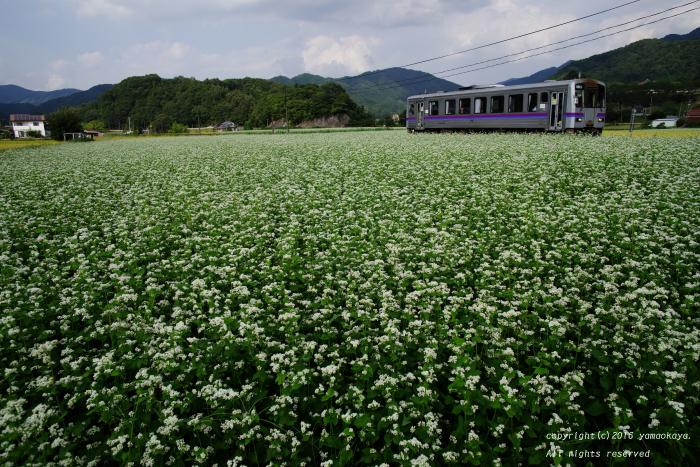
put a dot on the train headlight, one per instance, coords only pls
(600, 119)
(579, 119)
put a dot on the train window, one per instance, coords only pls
(450, 107)
(601, 96)
(544, 98)
(497, 104)
(515, 103)
(532, 102)
(479, 105)
(465, 106)
(578, 95)
(411, 108)
(591, 95)
(434, 107)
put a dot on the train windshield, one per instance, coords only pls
(594, 96)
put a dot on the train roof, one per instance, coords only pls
(480, 89)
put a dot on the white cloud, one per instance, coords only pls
(89, 59)
(161, 57)
(329, 57)
(386, 13)
(55, 82)
(57, 64)
(92, 8)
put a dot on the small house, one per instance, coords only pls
(693, 115)
(227, 126)
(21, 123)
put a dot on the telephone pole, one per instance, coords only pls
(286, 109)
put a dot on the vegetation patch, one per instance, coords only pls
(351, 299)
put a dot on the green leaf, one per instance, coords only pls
(362, 421)
(596, 408)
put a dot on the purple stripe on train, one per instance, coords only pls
(566, 115)
(410, 119)
(479, 117)
(600, 115)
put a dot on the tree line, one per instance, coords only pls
(158, 103)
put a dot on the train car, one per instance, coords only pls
(576, 105)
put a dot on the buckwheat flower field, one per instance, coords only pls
(348, 299)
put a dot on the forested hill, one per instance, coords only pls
(647, 59)
(152, 100)
(382, 92)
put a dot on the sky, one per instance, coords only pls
(55, 44)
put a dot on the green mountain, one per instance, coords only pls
(537, 77)
(664, 60)
(694, 34)
(74, 100)
(152, 100)
(381, 92)
(12, 94)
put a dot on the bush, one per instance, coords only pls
(661, 125)
(178, 128)
(7, 134)
(680, 122)
(64, 120)
(33, 133)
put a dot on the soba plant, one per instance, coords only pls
(351, 298)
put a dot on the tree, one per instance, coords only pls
(95, 125)
(656, 114)
(178, 128)
(162, 123)
(64, 120)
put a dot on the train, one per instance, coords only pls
(569, 106)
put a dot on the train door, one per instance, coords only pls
(419, 116)
(556, 111)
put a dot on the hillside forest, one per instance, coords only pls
(658, 76)
(249, 102)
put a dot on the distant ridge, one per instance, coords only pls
(74, 99)
(692, 35)
(535, 77)
(13, 94)
(381, 93)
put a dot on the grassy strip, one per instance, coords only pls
(6, 145)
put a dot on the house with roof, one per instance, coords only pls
(227, 126)
(21, 123)
(693, 115)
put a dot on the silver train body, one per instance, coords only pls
(576, 105)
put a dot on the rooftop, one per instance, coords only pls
(26, 118)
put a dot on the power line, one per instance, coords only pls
(523, 58)
(371, 87)
(497, 42)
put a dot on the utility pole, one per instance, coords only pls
(199, 127)
(632, 121)
(286, 109)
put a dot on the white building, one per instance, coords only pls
(669, 121)
(21, 123)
